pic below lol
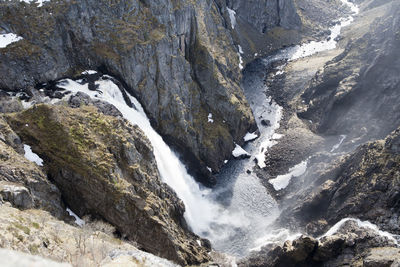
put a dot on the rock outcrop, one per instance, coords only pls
(357, 93)
(176, 57)
(351, 245)
(23, 183)
(105, 167)
(364, 185)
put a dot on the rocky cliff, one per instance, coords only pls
(176, 57)
(352, 244)
(357, 92)
(363, 185)
(104, 168)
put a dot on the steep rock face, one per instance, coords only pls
(351, 245)
(105, 167)
(363, 185)
(23, 183)
(358, 91)
(265, 15)
(175, 56)
(262, 27)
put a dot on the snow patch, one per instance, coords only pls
(282, 181)
(210, 119)
(29, 155)
(78, 220)
(273, 114)
(88, 72)
(355, 9)
(39, 2)
(209, 169)
(240, 61)
(250, 137)
(240, 49)
(240, 57)
(8, 38)
(232, 16)
(239, 152)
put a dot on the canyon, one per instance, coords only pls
(200, 133)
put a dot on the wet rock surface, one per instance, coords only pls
(105, 167)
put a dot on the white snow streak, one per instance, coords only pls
(78, 220)
(282, 181)
(232, 16)
(29, 155)
(8, 38)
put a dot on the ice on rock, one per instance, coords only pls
(240, 49)
(282, 181)
(232, 16)
(250, 137)
(78, 220)
(88, 72)
(240, 61)
(8, 38)
(39, 2)
(239, 152)
(29, 155)
(210, 119)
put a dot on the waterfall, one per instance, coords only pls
(204, 216)
(235, 216)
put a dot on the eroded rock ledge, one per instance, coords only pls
(105, 167)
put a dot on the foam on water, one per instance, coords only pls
(206, 217)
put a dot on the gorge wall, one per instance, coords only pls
(175, 56)
(182, 60)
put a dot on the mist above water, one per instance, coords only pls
(236, 215)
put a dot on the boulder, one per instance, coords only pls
(18, 196)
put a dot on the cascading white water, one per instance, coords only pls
(235, 215)
(200, 212)
(206, 217)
